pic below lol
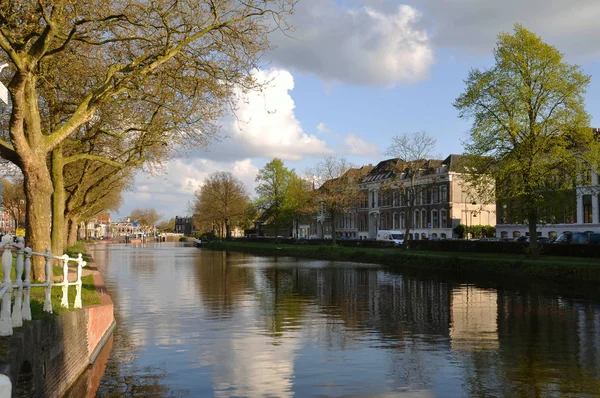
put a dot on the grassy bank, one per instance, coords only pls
(514, 265)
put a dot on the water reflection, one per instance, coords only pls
(198, 323)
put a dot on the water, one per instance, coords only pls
(196, 323)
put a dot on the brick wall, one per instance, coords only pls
(58, 351)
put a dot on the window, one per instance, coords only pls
(443, 194)
(436, 195)
(373, 199)
(587, 208)
(516, 234)
(402, 221)
(424, 221)
(434, 219)
(504, 234)
(417, 222)
(444, 219)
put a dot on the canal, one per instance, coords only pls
(198, 323)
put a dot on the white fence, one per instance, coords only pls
(21, 286)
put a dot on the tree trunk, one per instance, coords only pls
(38, 192)
(58, 202)
(227, 230)
(533, 249)
(72, 234)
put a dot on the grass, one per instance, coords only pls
(89, 295)
(553, 268)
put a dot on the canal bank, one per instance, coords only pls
(44, 358)
(494, 264)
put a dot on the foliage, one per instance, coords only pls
(475, 231)
(300, 199)
(283, 196)
(413, 152)
(221, 200)
(146, 218)
(460, 230)
(272, 189)
(208, 237)
(167, 226)
(530, 132)
(144, 77)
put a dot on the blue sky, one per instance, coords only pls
(358, 72)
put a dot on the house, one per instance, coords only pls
(442, 202)
(183, 225)
(579, 213)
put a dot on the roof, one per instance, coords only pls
(454, 162)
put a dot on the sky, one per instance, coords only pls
(355, 73)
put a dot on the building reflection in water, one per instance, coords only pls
(474, 319)
(228, 324)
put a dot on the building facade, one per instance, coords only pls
(183, 225)
(441, 204)
(580, 212)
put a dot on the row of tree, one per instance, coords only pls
(223, 203)
(100, 88)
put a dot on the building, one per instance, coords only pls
(7, 223)
(441, 204)
(99, 227)
(319, 226)
(125, 228)
(580, 212)
(183, 225)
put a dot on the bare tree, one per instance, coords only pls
(338, 189)
(222, 201)
(414, 152)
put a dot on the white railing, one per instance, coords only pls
(21, 286)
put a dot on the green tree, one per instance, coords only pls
(299, 199)
(167, 226)
(530, 132)
(272, 189)
(88, 55)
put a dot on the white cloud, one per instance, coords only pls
(358, 44)
(170, 193)
(473, 25)
(353, 145)
(321, 128)
(265, 125)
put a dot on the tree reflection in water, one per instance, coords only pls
(255, 326)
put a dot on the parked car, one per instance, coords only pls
(581, 238)
(542, 239)
(521, 239)
(594, 239)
